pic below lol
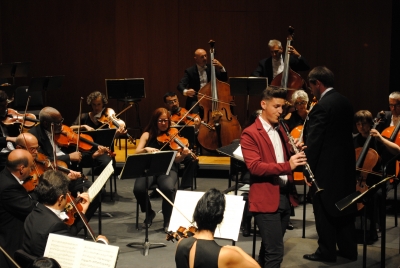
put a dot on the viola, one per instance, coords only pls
(176, 142)
(182, 115)
(13, 117)
(68, 137)
(182, 232)
(109, 118)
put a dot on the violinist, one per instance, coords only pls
(42, 132)
(48, 215)
(198, 76)
(8, 133)
(15, 202)
(172, 104)
(159, 124)
(201, 250)
(300, 102)
(272, 66)
(89, 121)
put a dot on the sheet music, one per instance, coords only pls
(100, 181)
(186, 202)
(238, 153)
(72, 252)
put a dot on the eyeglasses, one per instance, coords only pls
(59, 123)
(31, 149)
(161, 121)
(300, 103)
(394, 105)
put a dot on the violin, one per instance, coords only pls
(109, 118)
(12, 117)
(182, 115)
(182, 232)
(175, 141)
(68, 137)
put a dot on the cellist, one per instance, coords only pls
(198, 76)
(272, 66)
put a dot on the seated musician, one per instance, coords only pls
(364, 122)
(159, 124)
(172, 104)
(42, 132)
(15, 203)
(89, 121)
(7, 132)
(48, 216)
(300, 102)
(201, 250)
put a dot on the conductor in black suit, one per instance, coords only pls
(15, 203)
(272, 66)
(198, 76)
(329, 141)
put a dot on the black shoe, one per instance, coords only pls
(246, 228)
(154, 194)
(289, 226)
(152, 215)
(315, 257)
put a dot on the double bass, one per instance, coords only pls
(289, 79)
(217, 113)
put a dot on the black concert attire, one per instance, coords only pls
(39, 224)
(294, 121)
(206, 256)
(265, 69)
(75, 186)
(15, 205)
(191, 79)
(166, 184)
(6, 147)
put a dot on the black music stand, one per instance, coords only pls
(150, 164)
(129, 91)
(248, 86)
(15, 69)
(46, 83)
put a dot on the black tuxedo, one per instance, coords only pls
(39, 224)
(331, 156)
(191, 79)
(264, 68)
(15, 205)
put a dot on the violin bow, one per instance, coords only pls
(54, 147)
(23, 122)
(79, 127)
(172, 204)
(9, 257)
(123, 111)
(190, 110)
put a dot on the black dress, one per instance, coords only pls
(206, 256)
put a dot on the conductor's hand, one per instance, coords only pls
(75, 156)
(85, 201)
(190, 92)
(298, 159)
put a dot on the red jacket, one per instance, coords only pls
(259, 155)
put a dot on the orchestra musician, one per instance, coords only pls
(197, 76)
(266, 152)
(48, 215)
(7, 133)
(159, 124)
(172, 104)
(201, 250)
(272, 66)
(89, 121)
(42, 132)
(331, 158)
(15, 202)
(300, 102)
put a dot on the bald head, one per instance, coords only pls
(28, 142)
(50, 115)
(20, 162)
(200, 57)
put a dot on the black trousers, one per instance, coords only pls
(334, 231)
(272, 228)
(188, 172)
(166, 184)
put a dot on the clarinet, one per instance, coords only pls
(307, 166)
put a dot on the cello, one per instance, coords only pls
(289, 79)
(217, 113)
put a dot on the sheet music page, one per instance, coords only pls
(100, 181)
(63, 249)
(186, 201)
(72, 252)
(238, 153)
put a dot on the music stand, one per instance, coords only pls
(15, 69)
(248, 86)
(129, 91)
(46, 83)
(150, 164)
